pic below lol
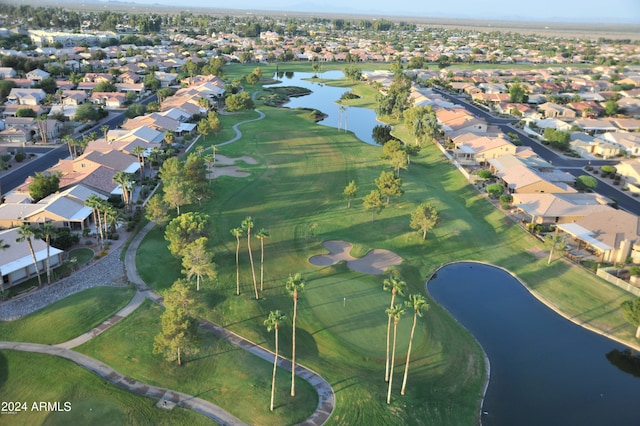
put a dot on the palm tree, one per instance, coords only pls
(394, 312)
(261, 235)
(295, 285)
(237, 232)
(47, 231)
(25, 233)
(95, 203)
(105, 132)
(139, 151)
(68, 139)
(419, 304)
(110, 216)
(169, 137)
(273, 323)
(247, 224)
(125, 180)
(396, 286)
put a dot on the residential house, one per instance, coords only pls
(547, 209)
(612, 234)
(630, 171)
(108, 99)
(628, 142)
(589, 146)
(552, 110)
(74, 97)
(530, 175)
(16, 262)
(64, 209)
(7, 72)
(473, 149)
(26, 96)
(458, 120)
(136, 88)
(166, 79)
(12, 110)
(16, 135)
(587, 109)
(596, 125)
(159, 122)
(627, 124)
(37, 75)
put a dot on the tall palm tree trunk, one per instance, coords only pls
(262, 264)
(253, 270)
(393, 359)
(35, 261)
(386, 370)
(48, 241)
(237, 267)
(273, 377)
(406, 365)
(293, 346)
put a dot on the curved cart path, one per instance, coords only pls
(171, 397)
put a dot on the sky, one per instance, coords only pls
(605, 12)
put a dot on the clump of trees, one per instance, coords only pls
(557, 138)
(43, 184)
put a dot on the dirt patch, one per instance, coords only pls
(374, 262)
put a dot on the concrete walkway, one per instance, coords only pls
(201, 406)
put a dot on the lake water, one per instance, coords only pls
(360, 121)
(545, 370)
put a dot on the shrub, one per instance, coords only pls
(20, 156)
(494, 190)
(485, 174)
(506, 199)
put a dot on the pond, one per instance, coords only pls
(360, 121)
(545, 370)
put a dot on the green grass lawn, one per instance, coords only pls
(68, 317)
(82, 254)
(220, 372)
(31, 377)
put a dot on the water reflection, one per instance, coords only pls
(545, 370)
(625, 361)
(360, 121)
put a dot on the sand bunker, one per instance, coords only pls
(375, 262)
(225, 166)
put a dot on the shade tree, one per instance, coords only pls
(389, 185)
(373, 202)
(424, 218)
(350, 192)
(631, 311)
(198, 262)
(185, 229)
(179, 334)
